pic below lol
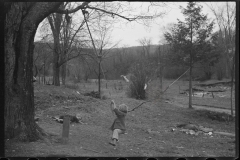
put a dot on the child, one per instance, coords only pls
(118, 126)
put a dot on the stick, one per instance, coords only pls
(91, 150)
(175, 80)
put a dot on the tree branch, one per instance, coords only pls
(112, 13)
(82, 6)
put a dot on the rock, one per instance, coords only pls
(191, 132)
(149, 130)
(152, 132)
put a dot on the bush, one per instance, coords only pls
(140, 73)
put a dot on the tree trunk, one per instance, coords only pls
(232, 75)
(56, 67)
(160, 64)
(56, 71)
(190, 73)
(44, 80)
(190, 87)
(55, 21)
(63, 69)
(21, 22)
(99, 78)
(64, 73)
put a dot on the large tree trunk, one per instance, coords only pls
(56, 71)
(21, 22)
(55, 21)
(56, 67)
(64, 67)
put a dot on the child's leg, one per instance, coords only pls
(115, 136)
(116, 132)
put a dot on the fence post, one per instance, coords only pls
(66, 126)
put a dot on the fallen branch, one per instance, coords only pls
(137, 106)
(91, 150)
(225, 134)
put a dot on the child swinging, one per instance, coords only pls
(118, 126)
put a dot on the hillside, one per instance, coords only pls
(151, 129)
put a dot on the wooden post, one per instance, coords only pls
(212, 95)
(65, 131)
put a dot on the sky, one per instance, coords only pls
(129, 33)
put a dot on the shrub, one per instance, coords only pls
(140, 73)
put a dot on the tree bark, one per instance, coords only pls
(21, 22)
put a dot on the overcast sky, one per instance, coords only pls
(128, 33)
(131, 33)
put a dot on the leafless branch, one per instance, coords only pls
(82, 6)
(112, 13)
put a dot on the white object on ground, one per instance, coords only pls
(125, 78)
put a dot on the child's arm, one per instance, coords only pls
(113, 106)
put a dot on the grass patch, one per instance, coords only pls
(72, 86)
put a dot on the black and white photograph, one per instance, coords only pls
(121, 79)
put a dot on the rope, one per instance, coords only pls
(93, 42)
(138, 106)
(175, 80)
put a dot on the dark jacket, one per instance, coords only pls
(119, 122)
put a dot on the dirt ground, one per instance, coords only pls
(91, 138)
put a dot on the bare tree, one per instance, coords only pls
(161, 52)
(146, 44)
(66, 40)
(225, 14)
(42, 59)
(100, 41)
